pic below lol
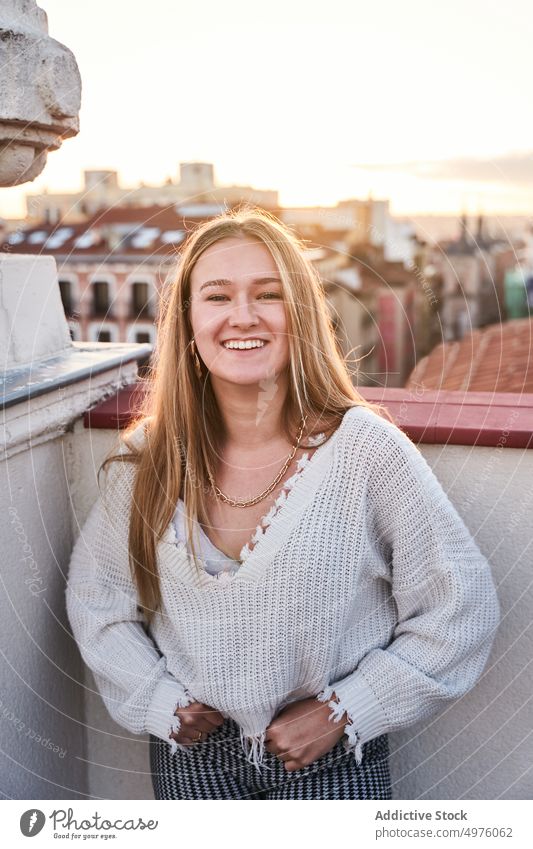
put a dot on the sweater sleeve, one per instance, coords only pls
(446, 600)
(107, 624)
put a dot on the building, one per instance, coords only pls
(101, 190)
(352, 311)
(472, 280)
(112, 267)
(358, 221)
(391, 305)
(518, 279)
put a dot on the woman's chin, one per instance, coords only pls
(245, 376)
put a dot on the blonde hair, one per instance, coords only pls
(175, 458)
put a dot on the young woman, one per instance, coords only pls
(273, 579)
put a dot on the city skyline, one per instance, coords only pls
(399, 102)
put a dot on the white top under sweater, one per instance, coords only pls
(367, 584)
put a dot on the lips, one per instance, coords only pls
(250, 339)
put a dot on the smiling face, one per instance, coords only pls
(236, 294)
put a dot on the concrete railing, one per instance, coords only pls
(46, 482)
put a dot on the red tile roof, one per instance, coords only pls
(145, 230)
(496, 358)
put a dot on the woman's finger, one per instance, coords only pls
(190, 736)
(204, 725)
(192, 718)
(279, 753)
(212, 716)
(191, 728)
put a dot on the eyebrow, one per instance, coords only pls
(223, 281)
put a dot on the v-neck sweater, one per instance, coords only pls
(367, 585)
(215, 561)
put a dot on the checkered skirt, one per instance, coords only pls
(217, 768)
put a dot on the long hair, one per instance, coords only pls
(183, 423)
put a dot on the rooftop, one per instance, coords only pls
(496, 358)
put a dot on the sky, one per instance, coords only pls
(427, 105)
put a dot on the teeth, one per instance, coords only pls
(250, 343)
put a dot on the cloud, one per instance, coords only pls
(514, 168)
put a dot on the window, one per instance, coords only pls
(140, 305)
(104, 336)
(101, 304)
(142, 337)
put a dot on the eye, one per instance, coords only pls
(263, 295)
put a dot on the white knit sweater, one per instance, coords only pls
(366, 583)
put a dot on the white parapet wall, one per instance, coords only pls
(481, 746)
(47, 385)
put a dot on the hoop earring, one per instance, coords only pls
(196, 358)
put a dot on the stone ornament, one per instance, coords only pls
(40, 92)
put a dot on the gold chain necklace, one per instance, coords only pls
(234, 503)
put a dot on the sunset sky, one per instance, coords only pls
(427, 105)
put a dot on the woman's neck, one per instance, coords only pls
(252, 417)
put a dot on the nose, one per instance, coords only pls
(243, 313)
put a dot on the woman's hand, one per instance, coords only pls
(196, 718)
(302, 732)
